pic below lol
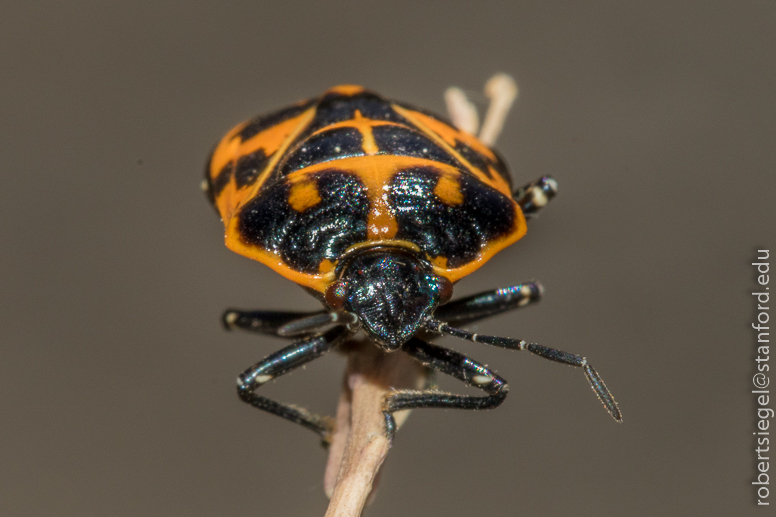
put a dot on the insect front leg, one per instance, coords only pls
(489, 303)
(600, 389)
(451, 363)
(281, 362)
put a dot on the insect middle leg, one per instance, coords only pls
(535, 196)
(281, 362)
(451, 363)
(489, 303)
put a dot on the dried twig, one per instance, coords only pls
(462, 112)
(502, 91)
(360, 445)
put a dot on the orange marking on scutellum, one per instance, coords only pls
(448, 190)
(445, 137)
(381, 221)
(375, 173)
(303, 195)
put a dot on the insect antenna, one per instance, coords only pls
(600, 389)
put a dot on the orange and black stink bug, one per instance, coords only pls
(377, 208)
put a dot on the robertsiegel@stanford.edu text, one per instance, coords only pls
(761, 379)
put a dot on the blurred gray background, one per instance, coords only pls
(117, 381)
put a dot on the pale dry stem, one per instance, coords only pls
(359, 444)
(462, 112)
(501, 89)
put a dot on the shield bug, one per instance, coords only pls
(377, 208)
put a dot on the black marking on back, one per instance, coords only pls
(221, 181)
(262, 122)
(475, 158)
(402, 141)
(249, 167)
(326, 146)
(324, 231)
(334, 107)
(482, 161)
(456, 232)
(478, 160)
(501, 167)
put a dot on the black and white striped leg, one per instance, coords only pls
(280, 323)
(534, 196)
(489, 303)
(600, 389)
(281, 362)
(451, 363)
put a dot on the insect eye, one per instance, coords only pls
(445, 290)
(336, 294)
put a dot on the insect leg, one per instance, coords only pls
(600, 389)
(534, 196)
(263, 322)
(281, 362)
(451, 363)
(489, 303)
